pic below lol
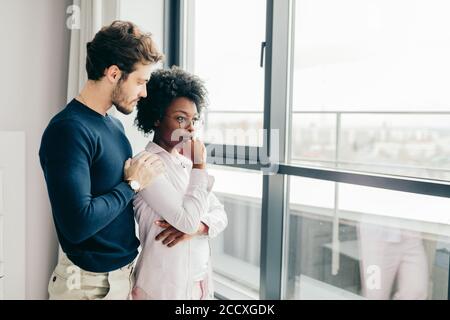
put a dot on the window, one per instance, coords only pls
(353, 242)
(370, 88)
(227, 57)
(224, 49)
(357, 91)
(368, 95)
(236, 252)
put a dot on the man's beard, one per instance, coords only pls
(119, 99)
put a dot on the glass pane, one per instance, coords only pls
(353, 242)
(236, 252)
(144, 13)
(226, 54)
(414, 145)
(365, 55)
(313, 137)
(380, 73)
(234, 128)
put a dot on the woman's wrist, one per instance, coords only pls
(198, 166)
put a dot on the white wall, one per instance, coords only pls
(33, 61)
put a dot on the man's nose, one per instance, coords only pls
(143, 92)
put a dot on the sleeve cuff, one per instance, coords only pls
(211, 231)
(199, 177)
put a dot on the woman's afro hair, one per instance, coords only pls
(163, 87)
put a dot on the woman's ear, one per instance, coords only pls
(157, 123)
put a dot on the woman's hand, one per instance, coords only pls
(171, 236)
(195, 151)
(143, 168)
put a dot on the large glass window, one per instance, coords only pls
(224, 49)
(357, 88)
(368, 94)
(405, 144)
(236, 252)
(380, 72)
(353, 242)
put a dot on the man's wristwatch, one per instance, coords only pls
(134, 185)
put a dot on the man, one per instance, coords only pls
(90, 177)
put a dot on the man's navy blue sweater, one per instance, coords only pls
(82, 155)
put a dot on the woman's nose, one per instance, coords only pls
(190, 127)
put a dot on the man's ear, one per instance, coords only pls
(113, 73)
(157, 123)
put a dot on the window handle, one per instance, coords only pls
(263, 47)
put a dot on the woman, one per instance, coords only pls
(178, 213)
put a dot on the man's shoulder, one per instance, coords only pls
(66, 132)
(65, 122)
(68, 112)
(69, 126)
(71, 118)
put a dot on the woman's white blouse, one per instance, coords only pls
(182, 196)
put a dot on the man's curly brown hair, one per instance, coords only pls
(122, 44)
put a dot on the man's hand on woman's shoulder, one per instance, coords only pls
(143, 168)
